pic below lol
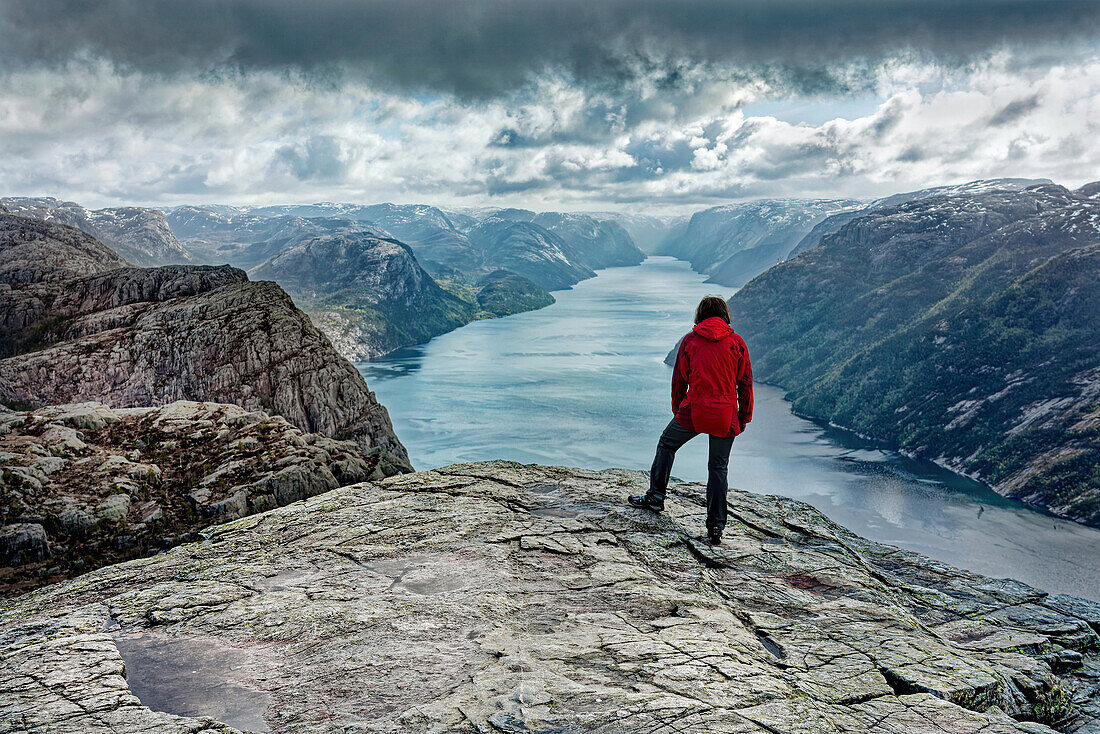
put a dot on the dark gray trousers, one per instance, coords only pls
(673, 438)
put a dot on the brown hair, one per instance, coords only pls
(712, 306)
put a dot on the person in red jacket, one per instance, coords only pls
(712, 394)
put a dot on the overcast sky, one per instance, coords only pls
(567, 104)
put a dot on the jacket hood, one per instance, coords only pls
(714, 329)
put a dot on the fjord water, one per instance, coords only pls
(583, 383)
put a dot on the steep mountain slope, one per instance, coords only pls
(364, 288)
(834, 222)
(647, 231)
(964, 329)
(497, 597)
(530, 250)
(736, 242)
(148, 336)
(589, 241)
(140, 235)
(246, 239)
(434, 235)
(368, 292)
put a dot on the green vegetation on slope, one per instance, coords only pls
(502, 293)
(961, 329)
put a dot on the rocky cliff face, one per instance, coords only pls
(83, 486)
(500, 597)
(962, 328)
(530, 250)
(595, 243)
(736, 242)
(647, 231)
(246, 239)
(373, 288)
(136, 337)
(140, 235)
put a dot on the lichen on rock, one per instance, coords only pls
(130, 482)
(503, 597)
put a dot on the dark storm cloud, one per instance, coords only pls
(486, 47)
(1015, 110)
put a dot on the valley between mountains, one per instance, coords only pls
(189, 457)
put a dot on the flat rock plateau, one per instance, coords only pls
(498, 597)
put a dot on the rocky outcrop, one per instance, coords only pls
(138, 337)
(372, 284)
(736, 242)
(141, 235)
(500, 597)
(964, 329)
(595, 243)
(36, 251)
(246, 239)
(39, 314)
(83, 486)
(530, 250)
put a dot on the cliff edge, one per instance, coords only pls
(78, 325)
(498, 597)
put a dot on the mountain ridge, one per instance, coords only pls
(960, 329)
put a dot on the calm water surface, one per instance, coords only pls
(583, 383)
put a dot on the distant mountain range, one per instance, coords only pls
(374, 278)
(734, 243)
(834, 222)
(140, 235)
(368, 293)
(959, 324)
(648, 231)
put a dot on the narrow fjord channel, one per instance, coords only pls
(583, 383)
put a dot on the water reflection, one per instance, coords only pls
(192, 677)
(583, 383)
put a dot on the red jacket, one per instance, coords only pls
(712, 380)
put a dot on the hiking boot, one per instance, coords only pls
(642, 503)
(715, 536)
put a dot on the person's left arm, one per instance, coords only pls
(744, 388)
(679, 375)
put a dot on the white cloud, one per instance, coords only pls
(100, 134)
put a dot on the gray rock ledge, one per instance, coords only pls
(498, 597)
